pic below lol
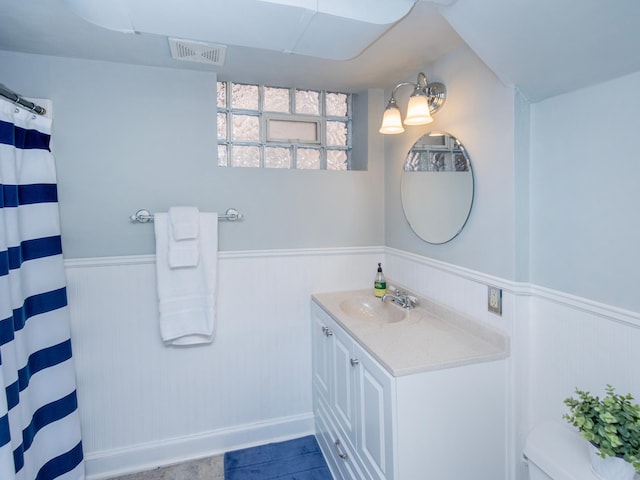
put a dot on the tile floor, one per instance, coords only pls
(211, 468)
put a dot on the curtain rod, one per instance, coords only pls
(18, 100)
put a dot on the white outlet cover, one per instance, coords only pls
(495, 300)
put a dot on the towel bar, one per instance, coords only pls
(143, 216)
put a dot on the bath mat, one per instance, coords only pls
(298, 459)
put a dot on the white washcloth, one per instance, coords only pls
(187, 296)
(185, 223)
(184, 227)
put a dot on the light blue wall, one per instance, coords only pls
(585, 223)
(128, 137)
(480, 112)
(522, 193)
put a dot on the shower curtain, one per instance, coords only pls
(39, 421)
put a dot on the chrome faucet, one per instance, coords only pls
(402, 299)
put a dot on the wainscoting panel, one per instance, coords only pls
(145, 404)
(575, 345)
(461, 289)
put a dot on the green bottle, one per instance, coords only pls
(380, 283)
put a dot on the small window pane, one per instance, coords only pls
(308, 101)
(437, 162)
(222, 126)
(277, 157)
(337, 133)
(336, 104)
(460, 162)
(276, 100)
(308, 159)
(223, 158)
(243, 156)
(222, 95)
(246, 128)
(336, 160)
(292, 131)
(244, 97)
(417, 161)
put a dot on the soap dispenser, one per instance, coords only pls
(380, 283)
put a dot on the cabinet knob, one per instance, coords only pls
(341, 454)
(354, 362)
(328, 332)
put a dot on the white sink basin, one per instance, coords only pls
(370, 308)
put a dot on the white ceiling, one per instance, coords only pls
(549, 47)
(544, 47)
(332, 29)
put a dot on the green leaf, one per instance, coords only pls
(612, 423)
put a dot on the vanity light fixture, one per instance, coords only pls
(427, 98)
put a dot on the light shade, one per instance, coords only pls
(426, 99)
(418, 111)
(391, 120)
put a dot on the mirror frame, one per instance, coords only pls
(411, 212)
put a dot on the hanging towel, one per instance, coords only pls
(185, 222)
(187, 296)
(184, 227)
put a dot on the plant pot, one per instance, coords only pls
(610, 468)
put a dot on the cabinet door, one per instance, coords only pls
(322, 348)
(343, 402)
(353, 402)
(375, 416)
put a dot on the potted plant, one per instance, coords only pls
(612, 427)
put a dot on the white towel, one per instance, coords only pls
(184, 227)
(185, 222)
(187, 296)
(183, 256)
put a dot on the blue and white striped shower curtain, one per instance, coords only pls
(39, 421)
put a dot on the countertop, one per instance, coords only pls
(431, 337)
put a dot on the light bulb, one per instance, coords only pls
(391, 120)
(418, 111)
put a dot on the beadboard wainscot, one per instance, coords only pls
(144, 405)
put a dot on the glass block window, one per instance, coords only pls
(276, 100)
(273, 127)
(308, 101)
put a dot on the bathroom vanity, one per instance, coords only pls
(407, 394)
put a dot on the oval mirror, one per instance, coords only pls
(437, 187)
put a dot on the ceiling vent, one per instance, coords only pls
(200, 52)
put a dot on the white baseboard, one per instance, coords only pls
(139, 458)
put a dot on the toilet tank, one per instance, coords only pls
(536, 474)
(556, 452)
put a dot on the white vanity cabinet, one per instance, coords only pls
(352, 403)
(442, 423)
